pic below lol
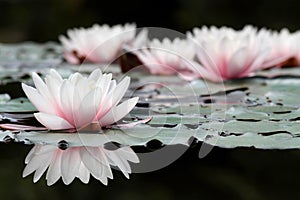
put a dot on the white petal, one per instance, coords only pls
(149, 61)
(90, 161)
(55, 75)
(226, 45)
(52, 122)
(67, 98)
(120, 158)
(54, 171)
(104, 83)
(117, 160)
(106, 167)
(96, 162)
(118, 112)
(82, 88)
(30, 155)
(74, 78)
(88, 108)
(41, 86)
(44, 165)
(120, 90)
(83, 173)
(140, 39)
(113, 98)
(238, 62)
(276, 61)
(203, 72)
(207, 58)
(70, 164)
(257, 63)
(54, 85)
(95, 75)
(113, 85)
(128, 154)
(41, 155)
(41, 104)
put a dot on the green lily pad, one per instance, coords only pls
(17, 105)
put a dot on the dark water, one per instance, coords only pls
(223, 174)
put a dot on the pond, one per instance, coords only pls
(238, 139)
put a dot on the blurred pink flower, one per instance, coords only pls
(78, 101)
(168, 57)
(99, 44)
(80, 162)
(296, 44)
(283, 46)
(224, 53)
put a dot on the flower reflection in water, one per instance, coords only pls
(80, 162)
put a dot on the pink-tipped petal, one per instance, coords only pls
(83, 173)
(117, 160)
(257, 64)
(37, 99)
(52, 122)
(67, 100)
(70, 164)
(19, 127)
(120, 158)
(37, 158)
(41, 86)
(54, 88)
(96, 163)
(54, 170)
(104, 83)
(95, 75)
(55, 75)
(118, 112)
(31, 153)
(113, 98)
(238, 62)
(42, 168)
(88, 108)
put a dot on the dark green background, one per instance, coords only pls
(44, 20)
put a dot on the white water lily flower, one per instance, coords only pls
(78, 101)
(140, 40)
(98, 44)
(168, 57)
(225, 53)
(296, 44)
(283, 47)
(77, 162)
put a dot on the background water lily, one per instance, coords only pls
(168, 57)
(77, 162)
(283, 46)
(224, 53)
(98, 44)
(78, 101)
(296, 44)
